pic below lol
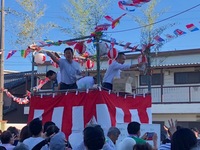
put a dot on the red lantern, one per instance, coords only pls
(142, 60)
(80, 47)
(103, 48)
(112, 54)
(86, 54)
(39, 58)
(110, 61)
(89, 64)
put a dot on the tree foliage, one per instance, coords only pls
(28, 27)
(83, 16)
(149, 29)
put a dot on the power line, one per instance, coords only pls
(157, 21)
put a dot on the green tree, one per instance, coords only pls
(27, 26)
(83, 16)
(148, 31)
(148, 27)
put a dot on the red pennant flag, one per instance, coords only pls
(12, 52)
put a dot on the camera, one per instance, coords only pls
(150, 135)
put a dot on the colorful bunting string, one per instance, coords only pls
(41, 83)
(136, 3)
(158, 39)
(24, 100)
(114, 21)
(11, 53)
(191, 27)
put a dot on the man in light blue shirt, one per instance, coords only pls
(70, 70)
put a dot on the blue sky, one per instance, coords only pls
(54, 10)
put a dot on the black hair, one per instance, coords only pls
(50, 73)
(183, 139)
(24, 134)
(6, 137)
(47, 124)
(69, 49)
(2, 148)
(94, 138)
(51, 130)
(120, 54)
(133, 127)
(35, 126)
(13, 130)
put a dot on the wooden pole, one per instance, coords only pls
(2, 59)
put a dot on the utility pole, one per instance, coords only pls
(2, 59)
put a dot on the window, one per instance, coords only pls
(157, 79)
(186, 77)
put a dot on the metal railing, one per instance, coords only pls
(173, 94)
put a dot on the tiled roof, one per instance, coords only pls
(176, 65)
(14, 79)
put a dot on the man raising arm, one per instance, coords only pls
(69, 69)
(114, 70)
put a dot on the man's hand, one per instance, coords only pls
(172, 126)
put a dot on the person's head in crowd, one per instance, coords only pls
(47, 124)
(183, 139)
(52, 129)
(196, 131)
(93, 137)
(133, 128)
(113, 134)
(121, 58)
(126, 144)
(145, 146)
(2, 148)
(24, 134)
(15, 133)
(7, 138)
(35, 127)
(51, 75)
(178, 127)
(57, 142)
(21, 146)
(68, 53)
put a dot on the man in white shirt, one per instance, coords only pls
(86, 82)
(35, 128)
(114, 70)
(112, 137)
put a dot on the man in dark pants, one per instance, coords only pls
(69, 69)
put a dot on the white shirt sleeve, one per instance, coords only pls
(121, 66)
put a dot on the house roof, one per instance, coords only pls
(12, 80)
